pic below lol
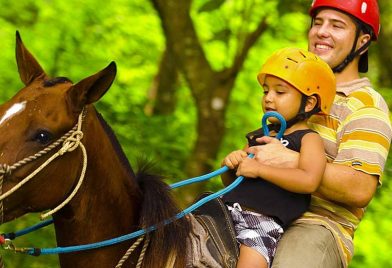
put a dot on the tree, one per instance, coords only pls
(210, 88)
(384, 46)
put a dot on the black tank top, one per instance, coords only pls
(267, 198)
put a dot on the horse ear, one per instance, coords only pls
(28, 67)
(92, 88)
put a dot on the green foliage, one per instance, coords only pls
(373, 238)
(288, 6)
(43, 238)
(77, 38)
(210, 5)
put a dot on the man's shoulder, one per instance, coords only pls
(360, 94)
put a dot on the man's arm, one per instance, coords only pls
(347, 185)
(302, 179)
(340, 183)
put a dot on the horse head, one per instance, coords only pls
(47, 130)
(38, 115)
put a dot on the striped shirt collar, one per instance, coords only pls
(348, 87)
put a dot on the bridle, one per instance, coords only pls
(70, 141)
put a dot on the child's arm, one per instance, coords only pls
(304, 179)
(232, 161)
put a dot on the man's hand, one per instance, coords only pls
(274, 153)
(338, 181)
(249, 168)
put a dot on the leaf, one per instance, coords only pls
(211, 6)
(287, 6)
(223, 35)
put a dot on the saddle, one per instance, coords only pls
(220, 240)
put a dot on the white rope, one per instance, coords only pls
(75, 190)
(129, 252)
(143, 252)
(69, 145)
(28, 178)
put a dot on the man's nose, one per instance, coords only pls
(323, 30)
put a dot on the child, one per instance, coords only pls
(296, 84)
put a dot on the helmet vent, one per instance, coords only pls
(292, 60)
(295, 66)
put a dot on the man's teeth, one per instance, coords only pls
(323, 47)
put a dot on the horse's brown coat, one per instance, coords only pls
(112, 200)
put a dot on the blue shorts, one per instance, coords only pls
(256, 231)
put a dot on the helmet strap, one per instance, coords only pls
(353, 53)
(301, 115)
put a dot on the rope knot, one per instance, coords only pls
(72, 142)
(5, 170)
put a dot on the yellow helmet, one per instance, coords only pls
(303, 70)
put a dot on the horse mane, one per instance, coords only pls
(54, 81)
(116, 145)
(157, 206)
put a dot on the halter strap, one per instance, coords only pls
(70, 141)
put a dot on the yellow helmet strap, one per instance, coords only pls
(302, 115)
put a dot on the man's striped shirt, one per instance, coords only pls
(357, 133)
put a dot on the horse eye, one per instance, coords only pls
(43, 137)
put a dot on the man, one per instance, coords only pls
(357, 135)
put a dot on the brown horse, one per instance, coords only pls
(112, 200)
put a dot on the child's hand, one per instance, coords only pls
(249, 168)
(233, 159)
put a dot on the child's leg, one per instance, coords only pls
(258, 235)
(250, 258)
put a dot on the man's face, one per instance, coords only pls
(331, 36)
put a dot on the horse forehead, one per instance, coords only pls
(12, 111)
(38, 90)
(40, 95)
(34, 99)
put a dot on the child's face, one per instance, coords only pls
(281, 97)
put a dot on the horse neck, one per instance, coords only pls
(106, 205)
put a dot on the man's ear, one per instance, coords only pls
(311, 102)
(362, 40)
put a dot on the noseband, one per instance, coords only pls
(70, 141)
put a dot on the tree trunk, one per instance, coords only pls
(384, 46)
(210, 89)
(162, 96)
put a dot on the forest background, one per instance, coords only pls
(186, 91)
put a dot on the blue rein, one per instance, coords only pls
(235, 183)
(225, 168)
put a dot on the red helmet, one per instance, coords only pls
(365, 10)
